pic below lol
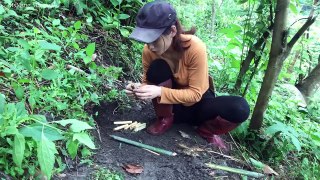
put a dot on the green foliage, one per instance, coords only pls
(53, 68)
(105, 174)
(289, 136)
(23, 135)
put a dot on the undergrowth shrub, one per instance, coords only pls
(52, 64)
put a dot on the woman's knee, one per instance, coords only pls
(239, 109)
(159, 71)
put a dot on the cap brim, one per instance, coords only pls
(146, 35)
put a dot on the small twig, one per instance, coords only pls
(98, 131)
(65, 159)
(230, 157)
(248, 164)
(76, 69)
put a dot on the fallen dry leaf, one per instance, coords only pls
(133, 168)
(268, 170)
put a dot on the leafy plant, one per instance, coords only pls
(23, 135)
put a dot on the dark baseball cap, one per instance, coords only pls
(152, 20)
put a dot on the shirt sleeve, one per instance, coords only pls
(146, 60)
(197, 72)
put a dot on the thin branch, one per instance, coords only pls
(297, 21)
(296, 37)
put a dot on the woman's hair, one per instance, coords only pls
(176, 41)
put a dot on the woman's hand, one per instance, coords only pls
(130, 87)
(146, 92)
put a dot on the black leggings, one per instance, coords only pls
(232, 108)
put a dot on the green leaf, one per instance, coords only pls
(77, 25)
(19, 91)
(35, 131)
(124, 32)
(90, 49)
(295, 142)
(46, 155)
(49, 74)
(2, 103)
(8, 2)
(87, 59)
(89, 19)
(276, 128)
(123, 16)
(256, 163)
(293, 8)
(84, 139)
(94, 98)
(72, 147)
(2, 11)
(76, 125)
(11, 130)
(18, 149)
(36, 30)
(55, 22)
(21, 109)
(115, 2)
(24, 44)
(49, 46)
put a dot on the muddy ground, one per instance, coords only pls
(187, 165)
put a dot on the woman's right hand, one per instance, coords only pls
(130, 87)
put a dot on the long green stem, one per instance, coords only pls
(235, 170)
(159, 150)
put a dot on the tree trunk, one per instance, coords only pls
(310, 84)
(279, 52)
(275, 63)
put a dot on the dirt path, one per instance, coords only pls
(186, 165)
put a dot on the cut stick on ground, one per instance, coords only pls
(133, 125)
(139, 127)
(122, 122)
(235, 170)
(121, 127)
(155, 149)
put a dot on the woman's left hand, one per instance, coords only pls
(146, 92)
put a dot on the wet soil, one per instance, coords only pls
(189, 164)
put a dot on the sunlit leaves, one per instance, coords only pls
(2, 11)
(90, 49)
(18, 90)
(49, 46)
(72, 147)
(46, 155)
(77, 25)
(55, 22)
(49, 74)
(18, 149)
(288, 131)
(2, 103)
(123, 16)
(37, 130)
(84, 139)
(76, 125)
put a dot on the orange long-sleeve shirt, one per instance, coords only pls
(191, 75)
